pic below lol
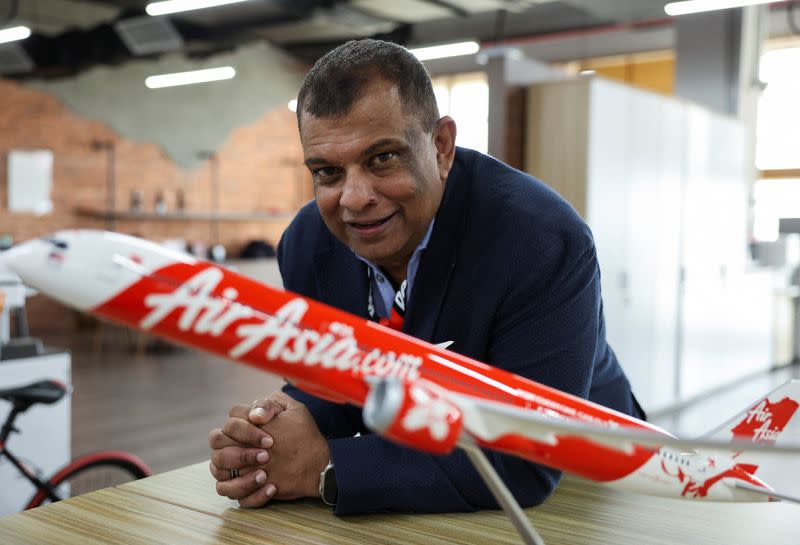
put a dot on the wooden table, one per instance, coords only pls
(181, 507)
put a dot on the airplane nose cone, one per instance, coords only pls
(5, 270)
(44, 264)
(17, 258)
(86, 268)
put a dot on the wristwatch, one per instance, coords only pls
(327, 485)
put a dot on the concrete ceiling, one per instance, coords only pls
(71, 35)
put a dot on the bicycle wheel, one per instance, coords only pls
(92, 472)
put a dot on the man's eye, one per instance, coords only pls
(324, 172)
(383, 158)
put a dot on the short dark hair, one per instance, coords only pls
(340, 78)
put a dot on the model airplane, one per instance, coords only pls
(413, 392)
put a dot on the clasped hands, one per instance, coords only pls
(276, 447)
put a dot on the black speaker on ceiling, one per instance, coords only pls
(14, 59)
(147, 35)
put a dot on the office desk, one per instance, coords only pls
(181, 507)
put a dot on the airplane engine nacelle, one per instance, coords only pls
(413, 414)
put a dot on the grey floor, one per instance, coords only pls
(160, 404)
(705, 414)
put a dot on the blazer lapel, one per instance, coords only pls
(438, 259)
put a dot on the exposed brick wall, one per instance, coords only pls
(260, 170)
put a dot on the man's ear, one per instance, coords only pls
(444, 138)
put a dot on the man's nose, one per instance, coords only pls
(358, 192)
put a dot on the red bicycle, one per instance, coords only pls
(85, 473)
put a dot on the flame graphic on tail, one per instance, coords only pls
(765, 422)
(773, 419)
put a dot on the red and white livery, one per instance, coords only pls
(412, 392)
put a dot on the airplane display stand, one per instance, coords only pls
(500, 492)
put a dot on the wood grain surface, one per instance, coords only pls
(181, 507)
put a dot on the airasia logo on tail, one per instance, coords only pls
(765, 422)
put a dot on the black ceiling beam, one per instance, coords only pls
(73, 51)
(290, 11)
(369, 13)
(311, 51)
(76, 50)
(202, 32)
(454, 9)
(124, 4)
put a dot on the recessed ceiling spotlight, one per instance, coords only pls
(698, 6)
(446, 50)
(187, 78)
(14, 33)
(175, 6)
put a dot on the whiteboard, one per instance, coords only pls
(30, 179)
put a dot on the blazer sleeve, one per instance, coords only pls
(549, 331)
(545, 329)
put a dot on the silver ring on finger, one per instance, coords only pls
(233, 473)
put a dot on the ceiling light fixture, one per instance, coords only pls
(446, 50)
(292, 105)
(14, 33)
(698, 6)
(175, 6)
(187, 78)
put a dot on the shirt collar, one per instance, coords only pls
(420, 247)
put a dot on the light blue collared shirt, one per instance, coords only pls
(382, 291)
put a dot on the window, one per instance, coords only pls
(779, 111)
(774, 199)
(777, 193)
(465, 98)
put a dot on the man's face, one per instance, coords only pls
(378, 177)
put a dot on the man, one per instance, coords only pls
(483, 255)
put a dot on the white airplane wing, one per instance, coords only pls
(763, 491)
(489, 420)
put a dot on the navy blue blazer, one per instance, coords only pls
(510, 276)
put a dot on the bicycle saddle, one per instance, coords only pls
(43, 391)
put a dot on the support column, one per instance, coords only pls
(754, 30)
(707, 54)
(717, 62)
(498, 89)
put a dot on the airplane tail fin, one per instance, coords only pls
(773, 419)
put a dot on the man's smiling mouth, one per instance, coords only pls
(372, 224)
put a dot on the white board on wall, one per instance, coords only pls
(30, 179)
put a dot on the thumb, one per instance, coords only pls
(286, 401)
(264, 410)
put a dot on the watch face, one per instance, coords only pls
(329, 490)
